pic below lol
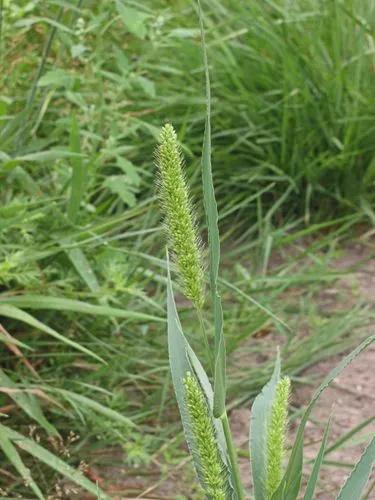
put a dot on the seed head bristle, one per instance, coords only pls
(276, 433)
(214, 477)
(179, 217)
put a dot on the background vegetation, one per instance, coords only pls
(85, 88)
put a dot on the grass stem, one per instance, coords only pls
(233, 458)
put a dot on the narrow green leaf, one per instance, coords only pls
(51, 460)
(290, 484)
(27, 402)
(14, 458)
(13, 312)
(62, 304)
(84, 269)
(311, 484)
(260, 414)
(212, 218)
(359, 476)
(78, 175)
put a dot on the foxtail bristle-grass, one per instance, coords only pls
(205, 439)
(179, 218)
(276, 432)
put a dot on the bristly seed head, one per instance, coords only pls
(214, 477)
(276, 432)
(179, 217)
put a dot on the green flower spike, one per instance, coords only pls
(276, 436)
(205, 440)
(179, 218)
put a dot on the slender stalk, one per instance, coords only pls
(206, 342)
(232, 457)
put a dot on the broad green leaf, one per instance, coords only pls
(359, 476)
(182, 360)
(14, 458)
(27, 402)
(212, 217)
(311, 484)
(290, 484)
(51, 460)
(13, 312)
(134, 20)
(260, 413)
(62, 304)
(77, 187)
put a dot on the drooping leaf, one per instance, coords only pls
(359, 476)
(260, 414)
(62, 304)
(13, 312)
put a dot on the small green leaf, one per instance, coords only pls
(134, 20)
(260, 414)
(83, 268)
(359, 476)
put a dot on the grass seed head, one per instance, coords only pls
(205, 439)
(179, 217)
(276, 432)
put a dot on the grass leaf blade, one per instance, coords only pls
(357, 480)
